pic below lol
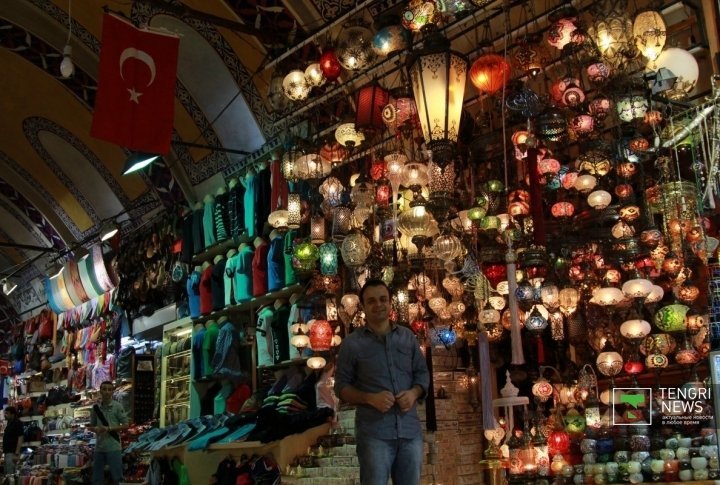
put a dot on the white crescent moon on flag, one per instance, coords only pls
(141, 56)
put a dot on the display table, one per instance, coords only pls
(201, 465)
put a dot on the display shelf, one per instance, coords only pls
(175, 378)
(178, 379)
(250, 304)
(179, 354)
(57, 432)
(217, 249)
(284, 364)
(202, 464)
(32, 443)
(27, 419)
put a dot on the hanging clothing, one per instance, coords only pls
(281, 342)
(206, 302)
(263, 192)
(235, 210)
(293, 316)
(221, 398)
(264, 337)
(226, 361)
(228, 279)
(197, 353)
(244, 280)
(279, 193)
(288, 250)
(209, 346)
(220, 217)
(209, 221)
(198, 230)
(249, 202)
(187, 239)
(259, 269)
(218, 285)
(276, 264)
(193, 293)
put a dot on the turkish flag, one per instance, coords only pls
(135, 102)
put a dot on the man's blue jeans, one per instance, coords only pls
(114, 461)
(379, 460)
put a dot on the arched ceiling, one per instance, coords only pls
(57, 183)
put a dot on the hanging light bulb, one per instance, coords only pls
(67, 68)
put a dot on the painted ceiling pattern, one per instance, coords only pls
(43, 196)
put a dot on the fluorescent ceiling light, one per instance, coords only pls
(108, 230)
(8, 287)
(138, 161)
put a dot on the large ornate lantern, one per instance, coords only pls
(438, 81)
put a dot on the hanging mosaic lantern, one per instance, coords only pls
(321, 334)
(391, 39)
(355, 249)
(329, 65)
(560, 33)
(582, 124)
(276, 93)
(552, 125)
(348, 136)
(612, 34)
(631, 107)
(567, 92)
(671, 318)
(447, 247)
(314, 75)
(400, 114)
(598, 72)
(419, 14)
(328, 259)
(306, 254)
(317, 229)
(354, 47)
(529, 55)
(600, 107)
(295, 86)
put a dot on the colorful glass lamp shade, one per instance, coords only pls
(489, 73)
(328, 259)
(369, 102)
(321, 334)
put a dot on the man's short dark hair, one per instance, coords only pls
(370, 283)
(107, 383)
(10, 409)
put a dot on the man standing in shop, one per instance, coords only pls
(107, 420)
(381, 369)
(12, 439)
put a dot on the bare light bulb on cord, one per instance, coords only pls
(67, 68)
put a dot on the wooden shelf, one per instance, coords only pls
(217, 249)
(37, 417)
(250, 304)
(284, 364)
(201, 464)
(182, 353)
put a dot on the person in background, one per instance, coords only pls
(12, 439)
(107, 420)
(381, 369)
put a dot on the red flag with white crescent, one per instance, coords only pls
(135, 102)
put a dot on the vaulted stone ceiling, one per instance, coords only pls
(58, 184)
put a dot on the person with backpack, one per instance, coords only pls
(107, 419)
(13, 439)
